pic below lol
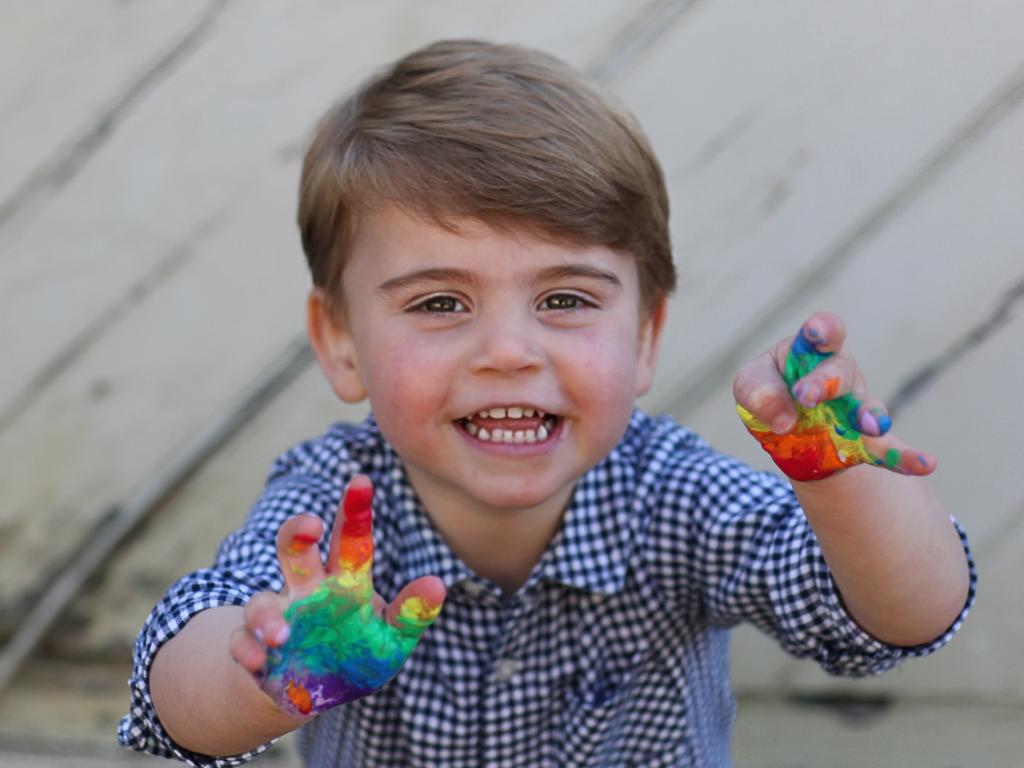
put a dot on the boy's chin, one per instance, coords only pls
(518, 496)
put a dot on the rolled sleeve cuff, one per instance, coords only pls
(140, 729)
(851, 651)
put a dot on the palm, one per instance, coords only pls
(340, 646)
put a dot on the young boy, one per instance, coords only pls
(489, 248)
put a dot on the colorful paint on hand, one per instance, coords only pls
(339, 647)
(827, 437)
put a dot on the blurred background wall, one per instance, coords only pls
(861, 157)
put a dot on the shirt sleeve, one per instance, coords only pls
(759, 561)
(246, 564)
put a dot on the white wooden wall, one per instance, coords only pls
(861, 157)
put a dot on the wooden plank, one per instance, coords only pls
(785, 126)
(909, 295)
(216, 307)
(68, 65)
(239, 107)
(182, 535)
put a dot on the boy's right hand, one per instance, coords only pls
(329, 638)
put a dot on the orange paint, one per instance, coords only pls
(301, 542)
(806, 455)
(355, 553)
(831, 389)
(299, 696)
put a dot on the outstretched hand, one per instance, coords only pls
(329, 638)
(807, 404)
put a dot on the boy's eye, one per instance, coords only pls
(563, 301)
(440, 305)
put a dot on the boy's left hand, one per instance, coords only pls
(806, 401)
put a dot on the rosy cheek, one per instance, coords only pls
(405, 385)
(602, 366)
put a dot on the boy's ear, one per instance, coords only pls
(650, 340)
(332, 342)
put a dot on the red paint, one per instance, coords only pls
(358, 511)
(806, 455)
(301, 542)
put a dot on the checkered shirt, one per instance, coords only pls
(615, 651)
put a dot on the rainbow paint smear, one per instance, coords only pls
(339, 648)
(826, 438)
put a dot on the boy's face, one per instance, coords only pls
(546, 341)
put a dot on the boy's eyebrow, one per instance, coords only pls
(578, 270)
(466, 277)
(431, 275)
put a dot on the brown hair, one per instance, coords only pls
(507, 135)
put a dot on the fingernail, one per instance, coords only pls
(884, 422)
(782, 424)
(258, 634)
(281, 634)
(816, 336)
(806, 394)
(869, 424)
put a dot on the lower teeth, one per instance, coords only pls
(512, 436)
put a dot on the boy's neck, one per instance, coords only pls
(503, 545)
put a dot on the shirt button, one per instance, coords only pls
(472, 588)
(505, 670)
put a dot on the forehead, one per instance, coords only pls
(389, 240)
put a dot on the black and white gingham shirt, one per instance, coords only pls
(615, 651)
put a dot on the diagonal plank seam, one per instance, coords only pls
(123, 519)
(64, 164)
(917, 383)
(636, 37)
(169, 265)
(1001, 103)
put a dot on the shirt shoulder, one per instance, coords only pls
(681, 473)
(335, 456)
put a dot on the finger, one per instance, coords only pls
(352, 537)
(416, 606)
(872, 418)
(247, 650)
(895, 455)
(299, 556)
(822, 332)
(264, 617)
(761, 390)
(831, 378)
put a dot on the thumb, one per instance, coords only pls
(416, 606)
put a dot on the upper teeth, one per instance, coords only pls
(512, 412)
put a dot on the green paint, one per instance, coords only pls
(892, 457)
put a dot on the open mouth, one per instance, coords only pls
(511, 425)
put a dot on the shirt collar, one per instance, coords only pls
(590, 551)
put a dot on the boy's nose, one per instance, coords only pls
(506, 344)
